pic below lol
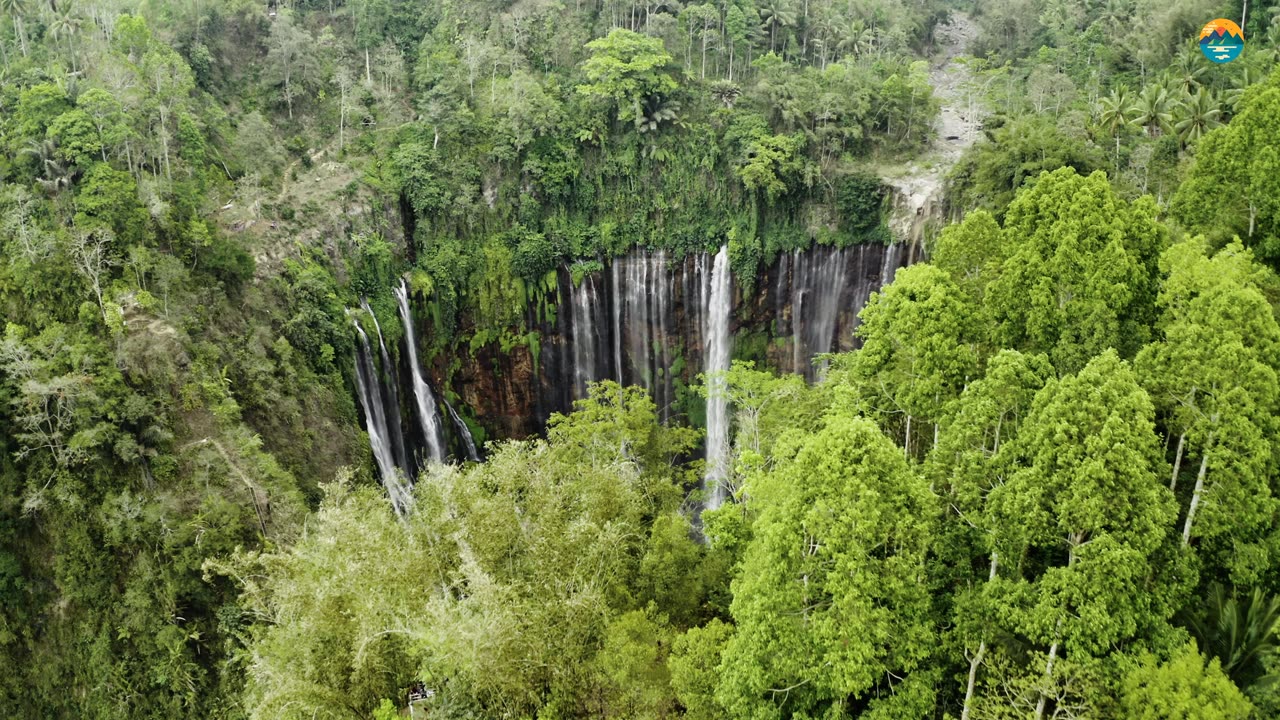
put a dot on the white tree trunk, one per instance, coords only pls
(1177, 462)
(1195, 496)
(980, 655)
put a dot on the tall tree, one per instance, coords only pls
(976, 452)
(291, 59)
(1084, 518)
(918, 350)
(1233, 188)
(1215, 374)
(1081, 272)
(628, 68)
(828, 602)
(17, 10)
(1116, 112)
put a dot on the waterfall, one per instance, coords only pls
(428, 414)
(615, 302)
(718, 353)
(817, 299)
(662, 373)
(892, 261)
(380, 434)
(582, 297)
(398, 449)
(464, 432)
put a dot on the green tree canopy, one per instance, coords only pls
(828, 602)
(1081, 272)
(627, 68)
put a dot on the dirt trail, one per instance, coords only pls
(919, 185)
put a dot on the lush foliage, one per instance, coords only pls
(1044, 485)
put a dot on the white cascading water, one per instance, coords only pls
(583, 299)
(392, 408)
(616, 302)
(464, 432)
(718, 350)
(370, 396)
(428, 414)
(817, 295)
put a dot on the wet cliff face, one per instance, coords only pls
(646, 319)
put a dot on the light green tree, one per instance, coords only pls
(976, 452)
(695, 668)
(627, 68)
(1233, 188)
(1214, 376)
(771, 162)
(1088, 502)
(828, 602)
(918, 351)
(1081, 270)
(1184, 687)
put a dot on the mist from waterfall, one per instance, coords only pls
(719, 350)
(428, 414)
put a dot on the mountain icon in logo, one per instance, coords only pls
(1221, 40)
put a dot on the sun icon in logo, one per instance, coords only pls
(1221, 40)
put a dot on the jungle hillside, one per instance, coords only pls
(556, 359)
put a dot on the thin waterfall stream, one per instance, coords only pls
(428, 414)
(465, 432)
(370, 396)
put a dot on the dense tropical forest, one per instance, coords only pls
(880, 359)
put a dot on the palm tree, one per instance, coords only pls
(1155, 109)
(657, 110)
(17, 9)
(54, 175)
(1117, 112)
(1239, 84)
(775, 14)
(1238, 630)
(856, 39)
(66, 25)
(1116, 13)
(1200, 114)
(726, 92)
(1187, 70)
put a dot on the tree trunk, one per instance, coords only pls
(1177, 461)
(22, 34)
(704, 50)
(981, 654)
(973, 678)
(1048, 673)
(906, 441)
(368, 74)
(1195, 496)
